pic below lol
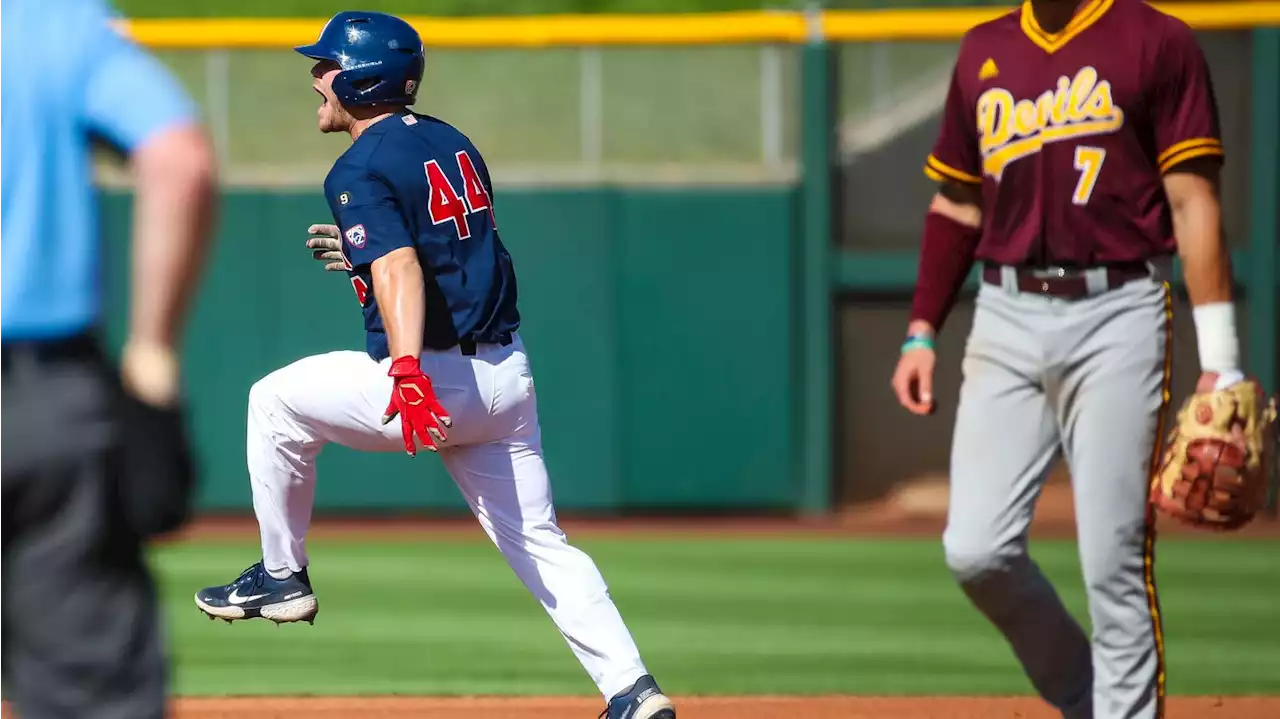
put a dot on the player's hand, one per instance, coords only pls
(413, 398)
(326, 246)
(1211, 381)
(913, 380)
(150, 372)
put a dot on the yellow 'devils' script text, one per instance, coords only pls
(1010, 129)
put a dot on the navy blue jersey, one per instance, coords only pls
(414, 181)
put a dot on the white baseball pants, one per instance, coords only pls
(493, 453)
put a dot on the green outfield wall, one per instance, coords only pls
(659, 325)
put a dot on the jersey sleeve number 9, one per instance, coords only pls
(1089, 162)
(446, 205)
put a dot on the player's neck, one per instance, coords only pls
(1053, 15)
(364, 123)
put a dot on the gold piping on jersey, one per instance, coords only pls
(1086, 15)
(939, 171)
(1010, 129)
(1182, 151)
(1149, 539)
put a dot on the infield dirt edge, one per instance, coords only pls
(746, 707)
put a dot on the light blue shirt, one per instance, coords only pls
(66, 76)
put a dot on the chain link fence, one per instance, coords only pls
(565, 116)
(590, 115)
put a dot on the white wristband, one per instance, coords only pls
(1216, 337)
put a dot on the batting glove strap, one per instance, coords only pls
(406, 366)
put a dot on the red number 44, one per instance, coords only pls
(446, 205)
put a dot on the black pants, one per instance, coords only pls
(81, 634)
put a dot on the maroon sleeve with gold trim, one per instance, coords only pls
(1184, 110)
(955, 156)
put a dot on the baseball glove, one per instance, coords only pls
(1215, 468)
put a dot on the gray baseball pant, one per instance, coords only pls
(1087, 378)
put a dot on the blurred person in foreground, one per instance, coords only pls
(94, 463)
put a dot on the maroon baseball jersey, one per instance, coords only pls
(1069, 133)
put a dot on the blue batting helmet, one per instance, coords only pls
(380, 55)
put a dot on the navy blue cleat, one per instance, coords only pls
(257, 594)
(644, 700)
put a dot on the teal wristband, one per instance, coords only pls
(915, 342)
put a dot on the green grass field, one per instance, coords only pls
(798, 615)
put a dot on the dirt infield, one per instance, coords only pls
(759, 707)
(692, 708)
(916, 510)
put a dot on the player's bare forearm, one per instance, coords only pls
(173, 219)
(1192, 189)
(401, 291)
(1197, 227)
(962, 203)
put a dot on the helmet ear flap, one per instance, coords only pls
(357, 90)
(343, 90)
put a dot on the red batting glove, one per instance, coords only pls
(415, 401)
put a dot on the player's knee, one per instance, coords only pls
(266, 397)
(975, 559)
(545, 533)
(261, 394)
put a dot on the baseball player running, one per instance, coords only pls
(1079, 148)
(413, 204)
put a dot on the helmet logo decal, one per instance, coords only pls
(410, 86)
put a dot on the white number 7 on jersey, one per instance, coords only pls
(1089, 162)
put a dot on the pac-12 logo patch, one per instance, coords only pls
(355, 236)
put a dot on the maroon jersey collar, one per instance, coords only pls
(1086, 15)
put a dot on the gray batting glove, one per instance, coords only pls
(326, 246)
